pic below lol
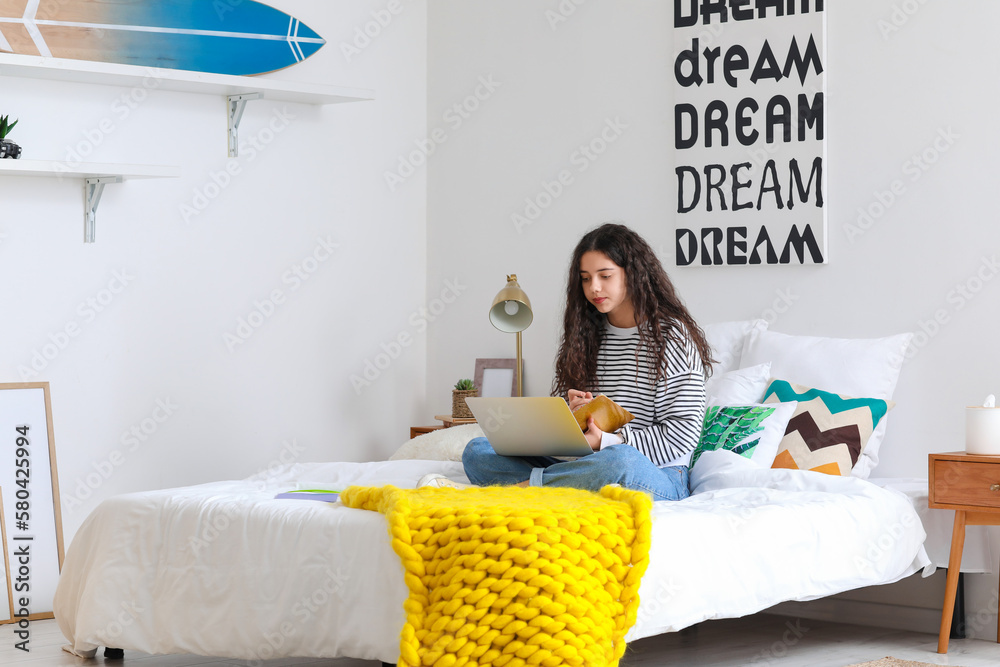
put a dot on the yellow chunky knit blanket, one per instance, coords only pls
(512, 577)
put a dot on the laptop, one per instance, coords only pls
(526, 426)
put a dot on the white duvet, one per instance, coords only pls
(224, 570)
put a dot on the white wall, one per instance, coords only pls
(890, 97)
(284, 394)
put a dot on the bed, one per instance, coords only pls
(225, 570)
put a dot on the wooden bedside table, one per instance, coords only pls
(447, 422)
(420, 430)
(970, 485)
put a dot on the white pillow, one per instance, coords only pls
(444, 444)
(740, 387)
(850, 366)
(712, 459)
(727, 340)
(712, 466)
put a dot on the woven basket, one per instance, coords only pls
(459, 409)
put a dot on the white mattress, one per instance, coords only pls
(224, 570)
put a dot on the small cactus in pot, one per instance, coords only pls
(463, 389)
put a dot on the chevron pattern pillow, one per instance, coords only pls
(828, 431)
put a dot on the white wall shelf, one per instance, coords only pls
(54, 169)
(94, 175)
(130, 76)
(237, 90)
(110, 74)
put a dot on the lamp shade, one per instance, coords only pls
(511, 309)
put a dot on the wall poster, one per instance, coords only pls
(749, 132)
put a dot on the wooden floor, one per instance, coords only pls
(761, 640)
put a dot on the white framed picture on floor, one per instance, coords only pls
(30, 521)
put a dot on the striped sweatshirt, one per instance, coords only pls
(669, 414)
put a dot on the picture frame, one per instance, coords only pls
(30, 510)
(496, 378)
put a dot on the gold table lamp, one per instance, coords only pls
(511, 313)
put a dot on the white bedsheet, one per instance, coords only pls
(224, 570)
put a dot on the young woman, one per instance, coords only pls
(626, 334)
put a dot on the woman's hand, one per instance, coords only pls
(594, 434)
(578, 399)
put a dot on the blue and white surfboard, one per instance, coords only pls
(221, 36)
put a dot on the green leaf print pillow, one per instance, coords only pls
(752, 432)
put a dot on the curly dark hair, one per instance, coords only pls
(654, 299)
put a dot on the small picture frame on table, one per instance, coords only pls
(495, 378)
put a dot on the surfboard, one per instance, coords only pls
(239, 37)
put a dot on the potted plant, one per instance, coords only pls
(8, 149)
(463, 390)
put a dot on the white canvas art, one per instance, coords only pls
(749, 132)
(497, 382)
(31, 518)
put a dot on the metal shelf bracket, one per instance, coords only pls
(93, 188)
(237, 104)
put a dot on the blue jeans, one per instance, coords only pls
(618, 464)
